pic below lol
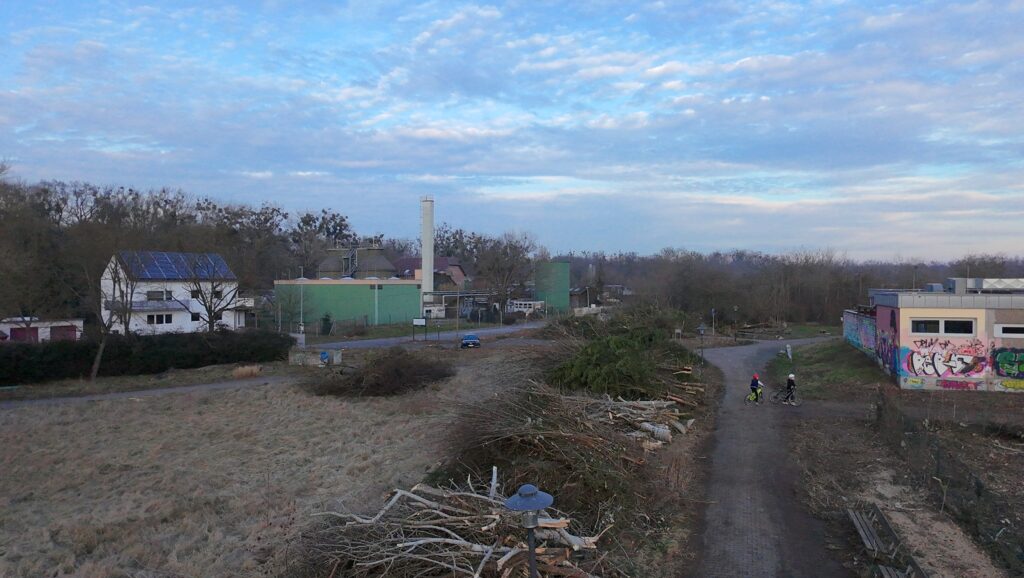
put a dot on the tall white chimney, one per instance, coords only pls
(427, 248)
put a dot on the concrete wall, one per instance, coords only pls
(1007, 355)
(859, 330)
(887, 339)
(943, 361)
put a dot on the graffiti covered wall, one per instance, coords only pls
(887, 339)
(978, 362)
(949, 362)
(859, 331)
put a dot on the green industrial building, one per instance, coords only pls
(360, 301)
(551, 279)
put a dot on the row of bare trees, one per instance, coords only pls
(56, 238)
(745, 286)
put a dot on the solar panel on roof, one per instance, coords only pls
(159, 265)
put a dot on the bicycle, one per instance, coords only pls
(780, 395)
(755, 396)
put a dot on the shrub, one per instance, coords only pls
(614, 364)
(393, 372)
(24, 363)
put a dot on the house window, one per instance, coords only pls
(159, 319)
(218, 316)
(942, 326)
(958, 326)
(195, 294)
(217, 294)
(1008, 330)
(159, 296)
(196, 317)
(924, 326)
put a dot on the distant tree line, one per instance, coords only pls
(746, 286)
(57, 237)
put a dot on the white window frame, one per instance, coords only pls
(1000, 326)
(942, 326)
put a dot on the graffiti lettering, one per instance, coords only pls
(943, 364)
(933, 342)
(913, 382)
(1008, 362)
(962, 385)
(1014, 384)
(888, 353)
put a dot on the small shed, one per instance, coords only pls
(35, 330)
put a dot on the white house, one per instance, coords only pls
(149, 292)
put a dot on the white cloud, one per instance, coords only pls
(261, 175)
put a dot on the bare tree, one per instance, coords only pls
(118, 299)
(504, 262)
(210, 289)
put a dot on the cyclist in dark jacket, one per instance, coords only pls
(790, 389)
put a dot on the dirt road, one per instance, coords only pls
(754, 525)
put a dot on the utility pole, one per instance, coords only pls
(302, 303)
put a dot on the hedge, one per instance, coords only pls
(23, 363)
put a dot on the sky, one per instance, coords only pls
(879, 130)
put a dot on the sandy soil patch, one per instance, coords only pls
(846, 464)
(938, 544)
(208, 484)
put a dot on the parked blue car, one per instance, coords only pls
(469, 341)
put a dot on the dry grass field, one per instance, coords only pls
(211, 484)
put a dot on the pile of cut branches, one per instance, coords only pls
(536, 435)
(428, 532)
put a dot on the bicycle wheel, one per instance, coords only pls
(777, 396)
(796, 401)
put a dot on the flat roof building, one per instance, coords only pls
(966, 334)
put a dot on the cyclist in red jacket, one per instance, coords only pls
(756, 388)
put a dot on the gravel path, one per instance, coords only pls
(754, 524)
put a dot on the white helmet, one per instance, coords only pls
(791, 376)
